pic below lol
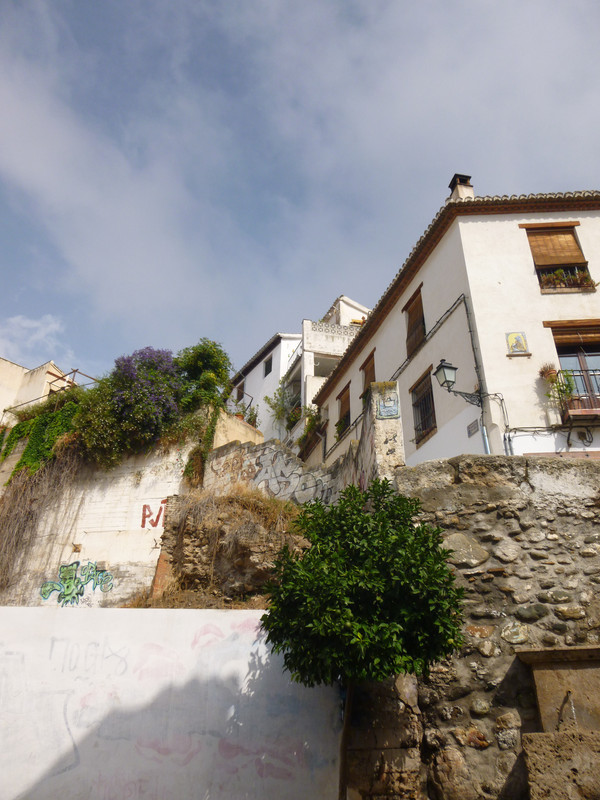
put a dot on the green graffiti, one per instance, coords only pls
(71, 586)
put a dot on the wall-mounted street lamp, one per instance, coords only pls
(446, 377)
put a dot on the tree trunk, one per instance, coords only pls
(343, 783)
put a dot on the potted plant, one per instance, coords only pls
(548, 372)
(293, 417)
(562, 390)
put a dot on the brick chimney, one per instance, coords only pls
(460, 187)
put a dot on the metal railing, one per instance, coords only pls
(578, 389)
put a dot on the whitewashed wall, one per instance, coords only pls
(258, 386)
(506, 297)
(121, 704)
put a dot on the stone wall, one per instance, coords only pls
(525, 536)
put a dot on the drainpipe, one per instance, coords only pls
(478, 373)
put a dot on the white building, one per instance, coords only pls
(301, 362)
(260, 377)
(499, 287)
(20, 386)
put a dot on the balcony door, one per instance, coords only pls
(583, 363)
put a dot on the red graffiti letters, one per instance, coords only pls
(147, 514)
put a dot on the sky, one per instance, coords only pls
(179, 169)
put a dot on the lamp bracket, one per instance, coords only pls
(474, 398)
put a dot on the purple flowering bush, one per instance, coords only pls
(146, 392)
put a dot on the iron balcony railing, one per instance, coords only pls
(578, 391)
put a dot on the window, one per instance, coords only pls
(268, 366)
(239, 392)
(582, 363)
(423, 408)
(343, 422)
(415, 323)
(559, 261)
(578, 349)
(368, 371)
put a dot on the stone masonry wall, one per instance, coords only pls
(525, 536)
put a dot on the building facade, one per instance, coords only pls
(503, 288)
(20, 386)
(298, 364)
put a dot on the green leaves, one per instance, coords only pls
(372, 597)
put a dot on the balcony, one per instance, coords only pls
(578, 393)
(574, 277)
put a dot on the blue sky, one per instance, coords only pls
(176, 169)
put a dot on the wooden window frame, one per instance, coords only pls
(344, 418)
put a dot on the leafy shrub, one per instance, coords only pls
(204, 371)
(129, 409)
(372, 597)
(148, 396)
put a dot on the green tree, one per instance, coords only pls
(204, 370)
(372, 597)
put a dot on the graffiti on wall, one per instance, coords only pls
(148, 515)
(71, 586)
(275, 471)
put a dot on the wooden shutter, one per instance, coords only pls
(415, 324)
(344, 398)
(368, 371)
(554, 246)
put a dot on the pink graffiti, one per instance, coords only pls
(251, 626)
(147, 514)
(156, 661)
(179, 750)
(262, 759)
(207, 635)
(267, 770)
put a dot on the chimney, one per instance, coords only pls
(460, 187)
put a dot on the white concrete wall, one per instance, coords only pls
(123, 704)
(11, 376)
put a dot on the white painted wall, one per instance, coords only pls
(258, 386)
(444, 279)
(488, 259)
(19, 385)
(11, 377)
(506, 297)
(161, 704)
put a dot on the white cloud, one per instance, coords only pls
(224, 169)
(31, 342)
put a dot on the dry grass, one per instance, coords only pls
(273, 514)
